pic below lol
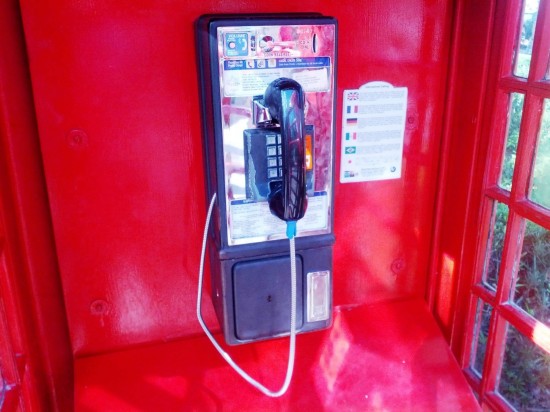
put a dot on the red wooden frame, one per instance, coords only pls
(477, 119)
(505, 35)
(35, 353)
(460, 177)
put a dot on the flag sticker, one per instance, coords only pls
(351, 121)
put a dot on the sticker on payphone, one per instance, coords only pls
(252, 57)
(236, 44)
(253, 220)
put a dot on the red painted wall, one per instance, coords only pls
(116, 98)
(36, 364)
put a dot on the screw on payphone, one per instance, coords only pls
(268, 101)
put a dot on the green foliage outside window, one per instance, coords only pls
(540, 189)
(525, 376)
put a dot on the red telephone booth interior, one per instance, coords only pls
(103, 203)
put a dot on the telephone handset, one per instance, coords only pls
(284, 98)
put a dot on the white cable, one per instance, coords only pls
(225, 355)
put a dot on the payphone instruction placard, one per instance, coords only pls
(373, 129)
(253, 219)
(246, 77)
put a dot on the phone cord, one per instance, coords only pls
(225, 355)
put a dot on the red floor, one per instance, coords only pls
(384, 357)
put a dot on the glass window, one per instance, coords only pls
(525, 376)
(532, 291)
(495, 244)
(524, 49)
(540, 184)
(519, 367)
(483, 318)
(512, 134)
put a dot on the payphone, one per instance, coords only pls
(268, 101)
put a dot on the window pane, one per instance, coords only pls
(540, 184)
(514, 120)
(525, 375)
(532, 292)
(526, 35)
(483, 318)
(495, 244)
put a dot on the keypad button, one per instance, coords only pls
(271, 162)
(272, 173)
(271, 139)
(280, 160)
(279, 150)
(272, 151)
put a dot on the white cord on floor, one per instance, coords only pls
(225, 355)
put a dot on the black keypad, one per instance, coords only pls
(274, 158)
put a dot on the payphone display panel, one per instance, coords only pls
(247, 58)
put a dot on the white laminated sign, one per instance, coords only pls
(373, 129)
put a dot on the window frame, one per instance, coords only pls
(502, 83)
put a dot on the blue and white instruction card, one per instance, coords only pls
(373, 130)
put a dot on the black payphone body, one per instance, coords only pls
(249, 150)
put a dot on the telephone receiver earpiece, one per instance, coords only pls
(285, 100)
